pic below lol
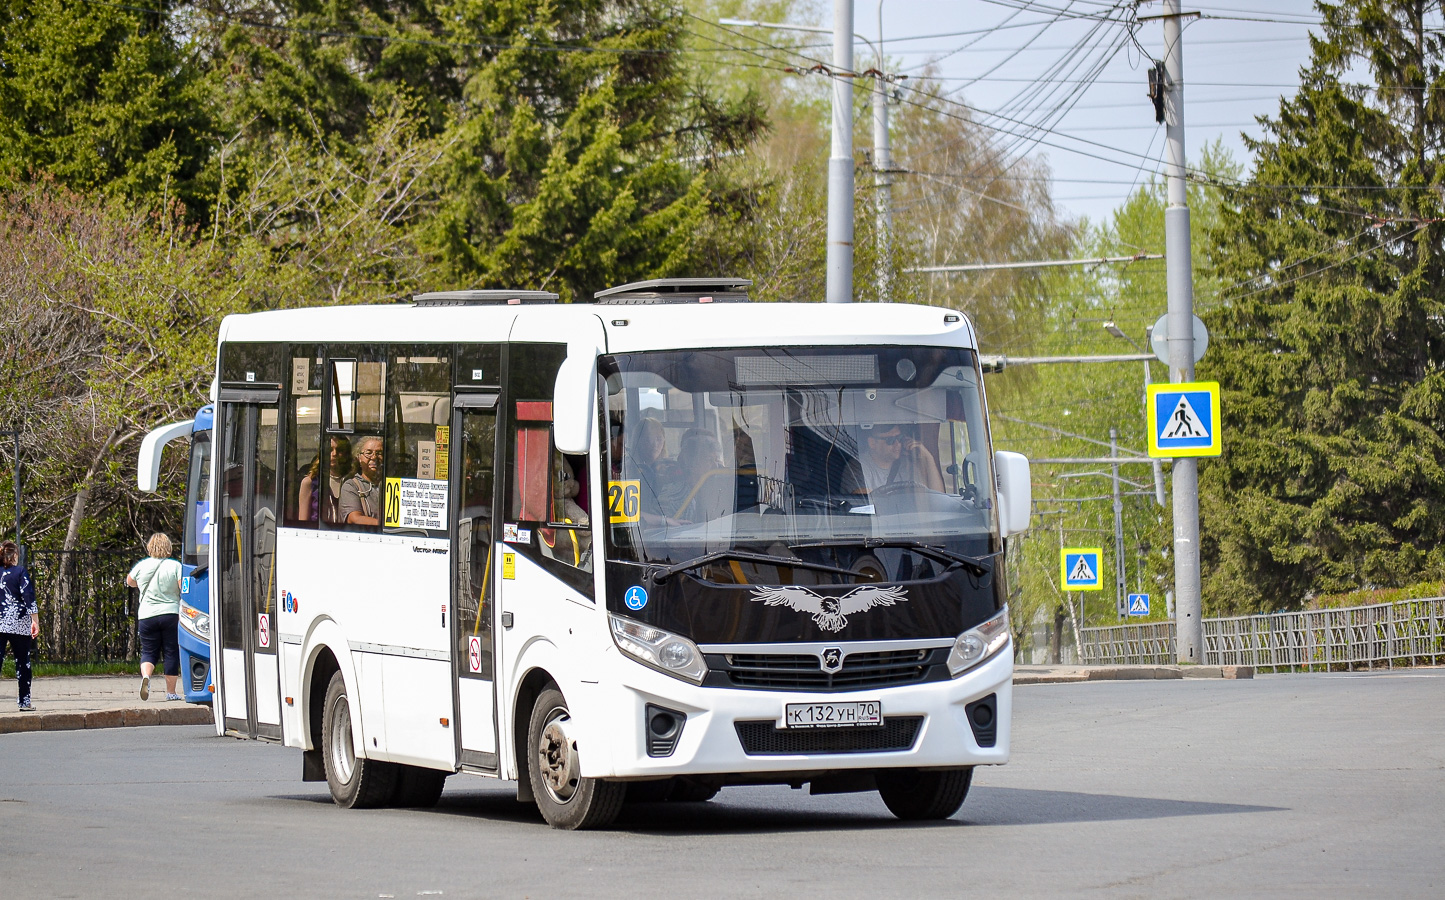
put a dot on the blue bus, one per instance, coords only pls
(195, 628)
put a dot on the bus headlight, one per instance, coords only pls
(196, 622)
(979, 643)
(664, 651)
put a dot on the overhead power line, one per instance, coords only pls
(1037, 264)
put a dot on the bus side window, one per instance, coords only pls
(539, 479)
(418, 437)
(355, 388)
(305, 470)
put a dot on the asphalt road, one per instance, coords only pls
(1298, 785)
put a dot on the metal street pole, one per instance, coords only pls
(1158, 463)
(840, 163)
(882, 170)
(1188, 605)
(1118, 332)
(1120, 588)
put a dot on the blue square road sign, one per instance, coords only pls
(1184, 419)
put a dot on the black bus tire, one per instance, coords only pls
(565, 799)
(355, 783)
(923, 795)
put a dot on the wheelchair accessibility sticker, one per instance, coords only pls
(636, 597)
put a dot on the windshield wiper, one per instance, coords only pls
(978, 565)
(660, 574)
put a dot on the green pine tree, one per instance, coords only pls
(100, 97)
(1328, 329)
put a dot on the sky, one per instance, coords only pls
(1073, 90)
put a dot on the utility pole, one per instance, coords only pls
(1188, 604)
(1158, 463)
(882, 169)
(1120, 588)
(840, 163)
(883, 184)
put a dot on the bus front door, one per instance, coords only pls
(473, 499)
(245, 558)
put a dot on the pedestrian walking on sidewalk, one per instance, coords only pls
(19, 618)
(159, 616)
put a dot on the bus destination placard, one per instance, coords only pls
(416, 503)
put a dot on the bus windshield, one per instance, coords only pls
(198, 500)
(771, 449)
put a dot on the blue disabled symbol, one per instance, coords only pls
(636, 597)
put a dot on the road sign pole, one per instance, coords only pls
(1188, 606)
(840, 164)
(1120, 588)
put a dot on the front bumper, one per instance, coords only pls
(710, 744)
(195, 668)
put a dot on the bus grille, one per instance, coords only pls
(803, 672)
(766, 739)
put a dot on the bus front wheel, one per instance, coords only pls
(922, 794)
(355, 783)
(565, 798)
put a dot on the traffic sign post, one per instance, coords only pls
(1184, 419)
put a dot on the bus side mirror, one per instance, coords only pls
(148, 466)
(574, 404)
(1015, 492)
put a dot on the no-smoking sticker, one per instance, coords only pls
(474, 654)
(263, 630)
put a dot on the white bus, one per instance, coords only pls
(645, 547)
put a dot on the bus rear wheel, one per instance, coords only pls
(923, 795)
(355, 783)
(565, 799)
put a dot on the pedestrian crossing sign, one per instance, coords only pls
(1079, 568)
(1184, 419)
(1138, 604)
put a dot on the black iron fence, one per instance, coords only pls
(87, 613)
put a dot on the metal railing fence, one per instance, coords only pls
(87, 613)
(1386, 634)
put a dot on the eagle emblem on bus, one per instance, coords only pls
(830, 613)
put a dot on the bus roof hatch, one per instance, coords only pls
(483, 298)
(678, 290)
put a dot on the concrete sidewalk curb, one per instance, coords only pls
(1072, 674)
(107, 718)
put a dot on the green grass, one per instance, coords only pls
(45, 669)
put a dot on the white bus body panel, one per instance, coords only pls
(552, 628)
(385, 597)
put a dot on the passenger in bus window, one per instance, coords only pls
(361, 494)
(567, 491)
(572, 546)
(313, 505)
(644, 463)
(703, 486)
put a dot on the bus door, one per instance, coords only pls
(245, 562)
(474, 497)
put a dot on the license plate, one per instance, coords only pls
(833, 715)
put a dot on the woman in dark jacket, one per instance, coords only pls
(19, 617)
